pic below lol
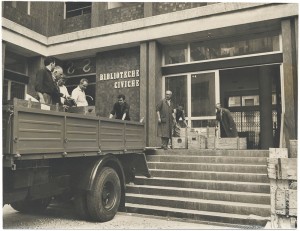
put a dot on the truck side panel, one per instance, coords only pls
(35, 133)
(111, 135)
(41, 132)
(81, 135)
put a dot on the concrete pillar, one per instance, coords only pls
(144, 53)
(98, 14)
(265, 105)
(295, 68)
(3, 59)
(289, 81)
(154, 91)
(148, 9)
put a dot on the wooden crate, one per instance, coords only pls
(191, 132)
(179, 142)
(293, 149)
(183, 132)
(226, 143)
(196, 142)
(206, 131)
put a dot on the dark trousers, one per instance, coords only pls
(164, 142)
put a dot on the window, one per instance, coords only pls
(234, 47)
(222, 48)
(12, 89)
(178, 86)
(175, 54)
(203, 94)
(112, 5)
(77, 8)
(21, 6)
(247, 101)
(15, 76)
(15, 62)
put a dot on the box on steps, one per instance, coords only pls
(227, 143)
(206, 131)
(179, 142)
(196, 142)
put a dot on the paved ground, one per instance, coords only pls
(59, 217)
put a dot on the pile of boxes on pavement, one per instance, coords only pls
(206, 138)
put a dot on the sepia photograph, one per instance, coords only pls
(149, 115)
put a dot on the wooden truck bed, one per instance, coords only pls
(32, 133)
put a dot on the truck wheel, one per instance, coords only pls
(31, 206)
(104, 199)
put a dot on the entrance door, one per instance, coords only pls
(197, 93)
(202, 98)
(243, 92)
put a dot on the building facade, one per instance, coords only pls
(243, 55)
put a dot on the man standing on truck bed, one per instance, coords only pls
(44, 83)
(78, 94)
(120, 109)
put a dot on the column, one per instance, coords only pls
(289, 77)
(154, 91)
(3, 59)
(98, 13)
(265, 106)
(144, 53)
(148, 9)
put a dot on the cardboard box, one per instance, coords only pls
(227, 143)
(179, 142)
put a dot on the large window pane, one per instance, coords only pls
(178, 86)
(17, 90)
(15, 62)
(175, 54)
(77, 8)
(220, 48)
(5, 90)
(203, 94)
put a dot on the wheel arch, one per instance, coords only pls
(88, 177)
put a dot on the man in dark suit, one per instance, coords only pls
(45, 84)
(228, 127)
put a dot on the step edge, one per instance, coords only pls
(194, 200)
(198, 212)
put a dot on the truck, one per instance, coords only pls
(49, 153)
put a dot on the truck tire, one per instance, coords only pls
(104, 199)
(31, 206)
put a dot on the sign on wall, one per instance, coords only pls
(122, 79)
(118, 72)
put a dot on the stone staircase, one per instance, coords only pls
(224, 186)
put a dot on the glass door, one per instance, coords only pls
(203, 95)
(197, 93)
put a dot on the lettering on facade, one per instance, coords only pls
(123, 79)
